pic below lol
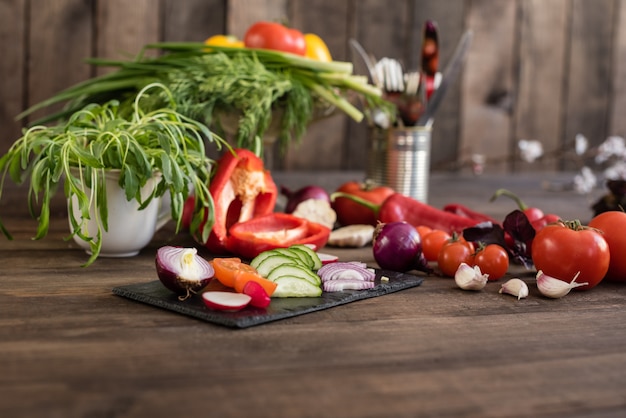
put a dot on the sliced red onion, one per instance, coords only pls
(182, 270)
(294, 198)
(341, 285)
(346, 271)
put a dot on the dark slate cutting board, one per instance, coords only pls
(154, 293)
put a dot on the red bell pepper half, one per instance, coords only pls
(242, 189)
(276, 230)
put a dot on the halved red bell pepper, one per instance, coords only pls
(242, 189)
(276, 230)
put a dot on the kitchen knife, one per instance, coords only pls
(450, 74)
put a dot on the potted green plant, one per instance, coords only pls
(150, 155)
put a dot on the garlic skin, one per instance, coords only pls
(555, 288)
(515, 287)
(470, 278)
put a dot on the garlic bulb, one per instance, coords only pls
(515, 287)
(555, 288)
(470, 278)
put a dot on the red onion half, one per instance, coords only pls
(397, 246)
(294, 198)
(182, 270)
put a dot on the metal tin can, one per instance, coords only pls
(408, 161)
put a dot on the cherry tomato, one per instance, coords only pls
(224, 40)
(316, 48)
(423, 230)
(432, 243)
(492, 260)
(270, 35)
(561, 250)
(453, 253)
(613, 224)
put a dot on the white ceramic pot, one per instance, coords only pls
(129, 229)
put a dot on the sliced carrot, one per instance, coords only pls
(245, 277)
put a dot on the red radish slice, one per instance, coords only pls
(258, 296)
(225, 301)
(327, 258)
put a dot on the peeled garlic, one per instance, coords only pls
(515, 287)
(470, 278)
(555, 288)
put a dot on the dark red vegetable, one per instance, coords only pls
(462, 210)
(182, 270)
(397, 246)
(400, 208)
(294, 198)
(535, 215)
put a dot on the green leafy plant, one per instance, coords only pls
(96, 139)
(254, 85)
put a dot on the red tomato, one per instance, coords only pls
(492, 260)
(432, 243)
(612, 225)
(269, 35)
(562, 250)
(452, 254)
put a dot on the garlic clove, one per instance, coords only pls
(470, 278)
(555, 288)
(515, 287)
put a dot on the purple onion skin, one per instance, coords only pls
(397, 246)
(294, 198)
(172, 279)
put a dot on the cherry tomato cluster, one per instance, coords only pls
(277, 37)
(450, 251)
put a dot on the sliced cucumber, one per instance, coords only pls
(274, 260)
(259, 258)
(294, 270)
(292, 286)
(317, 262)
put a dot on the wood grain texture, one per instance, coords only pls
(125, 27)
(12, 68)
(542, 70)
(542, 61)
(60, 35)
(488, 87)
(70, 348)
(589, 78)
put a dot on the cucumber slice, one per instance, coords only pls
(304, 258)
(295, 287)
(317, 262)
(294, 270)
(259, 258)
(274, 260)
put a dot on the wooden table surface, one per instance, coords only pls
(70, 348)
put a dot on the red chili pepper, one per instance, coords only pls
(276, 230)
(535, 215)
(350, 212)
(398, 207)
(466, 212)
(242, 190)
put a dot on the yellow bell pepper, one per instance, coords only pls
(224, 40)
(316, 48)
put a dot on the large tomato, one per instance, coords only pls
(613, 227)
(270, 35)
(561, 250)
(350, 212)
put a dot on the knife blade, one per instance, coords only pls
(450, 74)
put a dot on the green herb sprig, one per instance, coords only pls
(253, 84)
(96, 139)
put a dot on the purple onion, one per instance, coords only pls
(397, 246)
(182, 270)
(294, 198)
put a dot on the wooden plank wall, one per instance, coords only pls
(537, 69)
